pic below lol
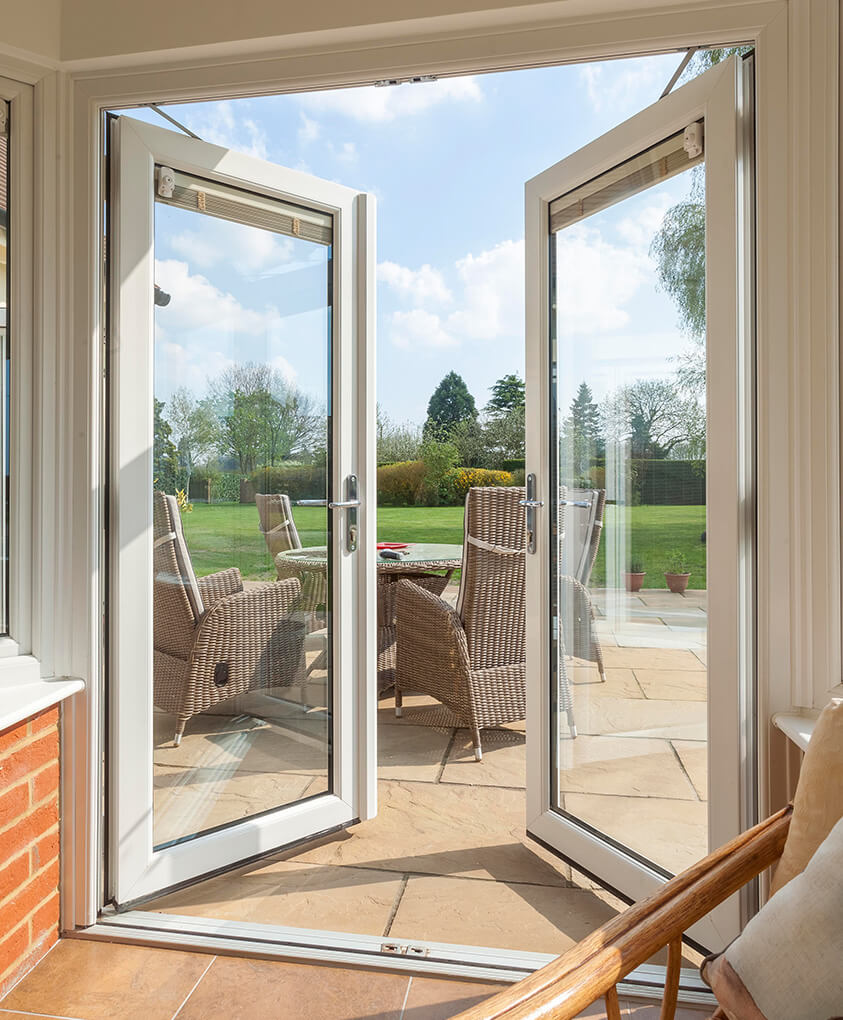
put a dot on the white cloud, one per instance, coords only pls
(378, 104)
(219, 124)
(176, 365)
(346, 153)
(419, 328)
(419, 285)
(596, 279)
(309, 129)
(283, 367)
(492, 303)
(639, 230)
(196, 304)
(624, 87)
(246, 249)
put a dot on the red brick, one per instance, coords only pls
(29, 759)
(13, 946)
(13, 803)
(13, 875)
(24, 833)
(45, 783)
(49, 717)
(45, 850)
(29, 897)
(13, 735)
(46, 918)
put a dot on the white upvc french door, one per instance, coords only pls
(241, 341)
(639, 703)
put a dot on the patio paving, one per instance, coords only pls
(447, 858)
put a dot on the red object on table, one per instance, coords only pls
(392, 545)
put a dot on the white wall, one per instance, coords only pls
(33, 27)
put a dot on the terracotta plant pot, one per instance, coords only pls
(634, 581)
(677, 583)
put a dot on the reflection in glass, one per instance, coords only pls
(629, 592)
(241, 434)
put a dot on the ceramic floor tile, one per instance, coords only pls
(640, 717)
(651, 658)
(499, 915)
(411, 752)
(637, 1010)
(240, 989)
(6, 1014)
(503, 764)
(694, 757)
(627, 766)
(440, 998)
(673, 684)
(672, 833)
(443, 829)
(102, 980)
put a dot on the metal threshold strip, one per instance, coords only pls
(275, 942)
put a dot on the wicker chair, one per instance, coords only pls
(581, 524)
(276, 522)
(471, 658)
(214, 640)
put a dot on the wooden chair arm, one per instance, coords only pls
(563, 988)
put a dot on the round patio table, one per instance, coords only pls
(429, 565)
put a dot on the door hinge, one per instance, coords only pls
(166, 181)
(414, 80)
(693, 140)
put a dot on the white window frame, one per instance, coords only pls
(136, 870)
(798, 365)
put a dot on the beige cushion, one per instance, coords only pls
(818, 803)
(787, 964)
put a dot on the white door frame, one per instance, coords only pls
(796, 47)
(135, 869)
(714, 98)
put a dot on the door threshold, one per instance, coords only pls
(415, 956)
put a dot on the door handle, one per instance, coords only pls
(350, 504)
(531, 504)
(344, 504)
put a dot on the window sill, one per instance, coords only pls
(797, 728)
(23, 693)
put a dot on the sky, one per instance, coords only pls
(447, 162)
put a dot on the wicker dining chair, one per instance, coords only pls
(275, 513)
(471, 658)
(212, 639)
(581, 525)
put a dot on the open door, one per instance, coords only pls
(639, 461)
(241, 508)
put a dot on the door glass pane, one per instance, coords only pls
(241, 435)
(628, 353)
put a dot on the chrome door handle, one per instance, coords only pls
(344, 504)
(311, 502)
(531, 504)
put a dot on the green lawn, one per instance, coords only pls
(226, 534)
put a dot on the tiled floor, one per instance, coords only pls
(81, 980)
(447, 858)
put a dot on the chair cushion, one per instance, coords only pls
(818, 802)
(786, 964)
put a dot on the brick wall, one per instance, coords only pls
(29, 844)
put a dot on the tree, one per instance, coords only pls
(165, 461)
(653, 417)
(503, 437)
(451, 403)
(396, 442)
(582, 433)
(507, 395)
(195, 431)
(263, 418)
